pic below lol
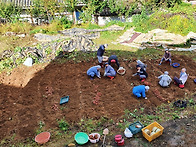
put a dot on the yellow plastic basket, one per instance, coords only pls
(149, 127)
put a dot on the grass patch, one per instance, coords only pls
(179, 20)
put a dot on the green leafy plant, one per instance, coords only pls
(63, 125)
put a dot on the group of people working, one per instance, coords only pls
(138, 91)
(109, 70)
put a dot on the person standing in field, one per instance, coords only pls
(100, 53)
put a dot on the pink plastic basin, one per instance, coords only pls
(42, 137)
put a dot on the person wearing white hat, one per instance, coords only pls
(139, 91)
(166, 57)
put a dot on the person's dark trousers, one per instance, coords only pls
(177, 81)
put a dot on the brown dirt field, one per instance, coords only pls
(24, 104)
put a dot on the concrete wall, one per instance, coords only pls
(104, 19)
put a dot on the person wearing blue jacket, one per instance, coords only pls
(113, 58)
(109, 71)
(100, 53)
(140, 90)
(95, 70)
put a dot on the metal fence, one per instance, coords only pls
(27, 3)
(23, 3)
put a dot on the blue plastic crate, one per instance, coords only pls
(134, 129)
(64, 100)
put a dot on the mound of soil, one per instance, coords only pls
(23, 107)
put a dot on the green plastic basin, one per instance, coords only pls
(81, 138)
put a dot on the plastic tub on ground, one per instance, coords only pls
(42, 137)
(150, 127)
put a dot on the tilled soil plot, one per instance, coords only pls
(22, 108)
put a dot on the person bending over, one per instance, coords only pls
(113, 59)
(139, 91)
(95, 70)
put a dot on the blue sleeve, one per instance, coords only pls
(96, 72)
(106, 69)
(102, 47)
(143, 93)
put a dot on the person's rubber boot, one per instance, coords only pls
(111, 77)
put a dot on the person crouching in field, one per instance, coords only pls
(95, 70)
(113, 59)
(183, 78)
(142, 73)
(109, 71)
(166, 57)
(100, 53)
(139, 91)
(141, 64)
(165, 79)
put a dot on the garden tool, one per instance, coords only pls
(105, 132)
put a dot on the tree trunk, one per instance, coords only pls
(32, 20)
(73, 17)
(96, 19)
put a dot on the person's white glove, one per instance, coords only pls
(134, 74)
(99, 77)
(145, 98)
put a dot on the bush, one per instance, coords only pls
(179, 20)
(9, 12)
(18, 27)
(63, 125)
(119, 23)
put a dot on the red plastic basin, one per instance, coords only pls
(42, 137)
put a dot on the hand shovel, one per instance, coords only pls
(105, 132)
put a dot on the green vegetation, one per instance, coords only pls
(179, 20)
(63, 125)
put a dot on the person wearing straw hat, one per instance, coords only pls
(166, 57)
(94, 71)
(100, 53)
(109, 71)
(139, 91)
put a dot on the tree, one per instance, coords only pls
(36, 10)
(122, 7)
(71, 7)
(8, 11)
(93, 8)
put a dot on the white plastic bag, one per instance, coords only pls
(128, 133)
(28, 62)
